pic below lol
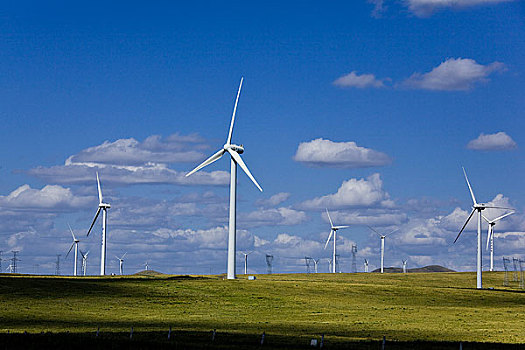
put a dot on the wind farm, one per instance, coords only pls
(391, 158)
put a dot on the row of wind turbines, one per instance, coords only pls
(235, 159)
(235, 151)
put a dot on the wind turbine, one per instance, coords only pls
(121, 262)
(405, 266)
(84, 262)
(333, 230)
(104, 208)
(234, 151)
(75, 244)
(246, 262)
(490, 236)
(382, 245)
(366, 265)
(479, 207)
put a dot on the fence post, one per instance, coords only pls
(213, 335)
(131, 333)
(169, 334)
(262, 338)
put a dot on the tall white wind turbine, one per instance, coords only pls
(104, 208)
(479, 207)
(382, 245)
(366, 265)
(490, 235)
(74, 244)
(121, 263)
(333, 230)
(234, 151)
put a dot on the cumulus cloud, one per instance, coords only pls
(51, 197)
(499, 141)
(372, 217)
(452, 75)
(358, 81)
(354, 193)
(274, 200)
(272, 217)
(321, 152)
(425, 8)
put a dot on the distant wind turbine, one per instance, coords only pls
(333, 230)
(246, 262)
(84, 262)
(234, 151)
(405, 266)
(104, 208)
(121, 263)
(490, 235)
(75, 244)
(382, 245)
(479, 207)
(366, 265)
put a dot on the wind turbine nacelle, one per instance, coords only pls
(237, 148)
(104, 205)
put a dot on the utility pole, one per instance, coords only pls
(14, 260)
(354, 263)
(57, 265)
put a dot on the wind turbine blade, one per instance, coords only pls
(340, 227)
(494, 207)
(83, 255)
(94, 220)
(465, 224)
(502, 216)
(69, 251)
(489, 233)
(117, 257)
(328, 240)
(392, 232)
(124, 255)
(72, 234)
(99, 190)
(484, 217)
(329, 218)
(216, 156)
(370, 227)
(228, 141)
(470, 188)
(239, 161)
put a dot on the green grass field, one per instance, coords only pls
(345, 307)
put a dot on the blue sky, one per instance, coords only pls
(369, 108)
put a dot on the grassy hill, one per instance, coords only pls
(344, 307)
(430, 268)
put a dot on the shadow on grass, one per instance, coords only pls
(204, 340)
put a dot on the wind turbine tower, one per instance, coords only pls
(404, 266)
(479, 207)
(75, 244)
(84, 263)
(316, 262)
(234, 151)
(490, 236)
(333, 230)
(354, 261)
(382, 245)
(366, 265)
(121, 263)
(246, 262)
(104, 208)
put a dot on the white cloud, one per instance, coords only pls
(359, 81)
(274, 200)
(373, 217)
(424, 8)
(51, 197)
(499, 141)
(127, 162)
(354, 193)
(321, 152)
(272, 217)
(453, 74)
